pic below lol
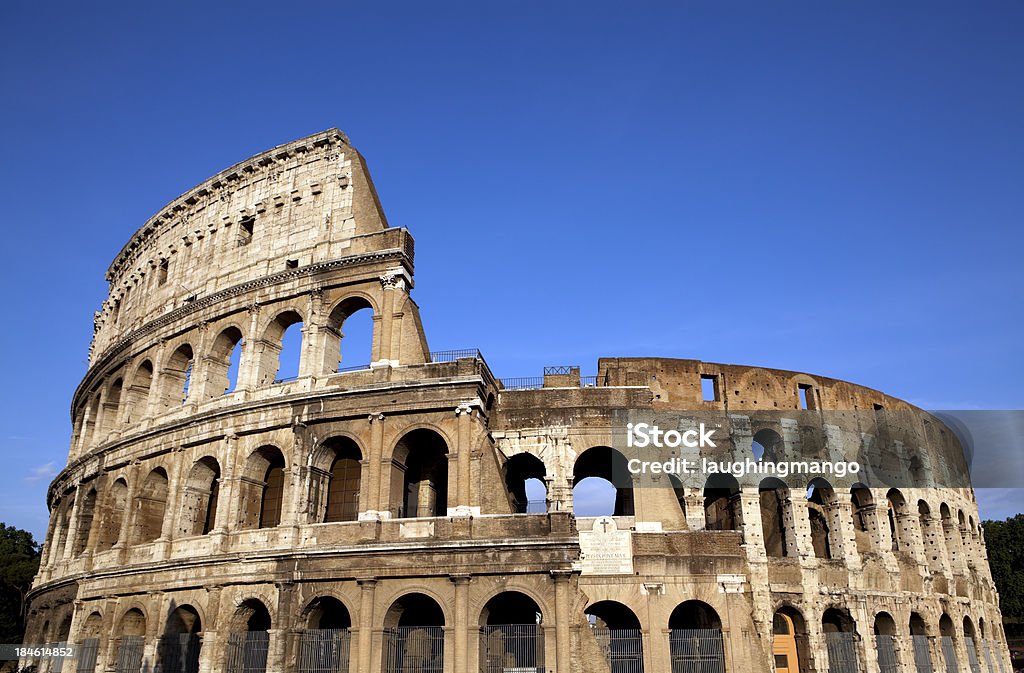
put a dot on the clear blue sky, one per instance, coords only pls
(828, 187)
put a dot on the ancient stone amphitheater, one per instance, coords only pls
(215, 515)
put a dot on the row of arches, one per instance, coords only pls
(195, 369)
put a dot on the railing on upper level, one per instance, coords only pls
(453, 355)
(354, 368)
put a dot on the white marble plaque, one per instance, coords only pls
(606, 550)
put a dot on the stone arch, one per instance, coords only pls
(971, 643)
(414, 634)
(176, 377)
(522, 472)
(263, 487)
(200, 497)
(111, 406)
(340, 354)
(131, 640)
(865, 522)
(776, 518)
(419, 475)
(897, 515)
(62, 525)
(151, 506)
(223, 362)
(324, 639)
(338, 476)
(840, 633)
(618, 633)
(511, 635)
(86, 514)
(695, 638)
(821, 514)
(722, 503)
(179, 647)
(276, 353)
(885, 634)
(137, 393)
(767, 445)
(610, 467)
(947, 640)
(249, 637)
(112, 516)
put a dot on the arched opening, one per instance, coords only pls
(262, 488)
(820, 513)
(93, 428)
(324, 644)
(524, 479)
(679, 494)
(61, 526)
(947, 640)
(951, 538)
(885, 643)
(200, 498)
(776, 518)
(695, 639)
(511, 636)
(789, 641)
(419, 475)
(348, 337)
(178, 649)
(151, 507)
(768, 446)
(865, 525)
(137, 394)
(343, 477)
(601, 483)
(414, 636)
(131, 641)
(282, 349)
(618, 634)
(112, 516)
(111, 405)
(930, 536)
(222, 362)
(86, 513)
(249, 638)
(897, 513)
(176, 377)
(919, 642)
(840, 633)
(722, 503)
(971, 643)
(89, 643)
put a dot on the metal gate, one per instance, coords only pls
(697, 651)
(324, 650)
(178, 653)
(998, 653)
(886, 648)
(842, 652)
(86, 653)
(129, 654)
(414, 649)
(949, 654)
(986, 646)
(247, 652)
(512, 647)
(972, 655)
(623, 649)
(922, 654)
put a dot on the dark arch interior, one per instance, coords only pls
(510, 607)
(346, 471)
(414, 610)
(518, 470)
(328, 612)
(885, 625)
(420, 475)
(255, 614)
(603, 462)
(721, 502)
(767, 445)
(694, 615)
(836, 620)
(612, 615)
(183, 620)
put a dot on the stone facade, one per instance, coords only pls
(376, 519)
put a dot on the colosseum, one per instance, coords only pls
(222, 517)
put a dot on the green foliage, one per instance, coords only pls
(19, 562)
(1005, 543)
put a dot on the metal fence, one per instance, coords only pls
(987, 649)
(86, 654)
(324, 650)
(922, 654)
(129, 654)
(886, 648)
(178, 653)
(842, 652)
(453, 355)
(247, 652)
(354, 368)
(972, 655)
(512, 647)
(623, 649)
(697, 651)
(949, 654)
(414, 649)
(523, 383)
(998, 653)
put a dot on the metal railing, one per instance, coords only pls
(414, 649)
(622, 648)
(247, 652)
(842, 652)
(972, 655)
(987, 651)
(998, 653)
(354, 368)
(588, 382)
(87, 652)
(178, 654)
(324, 650)
(453, 355)
(560, 369)
(886, 648)
(512, 647)
(949, 654)
(697, 651)
(129, 654)
(286, 379)
(922, 654)
(523, 383)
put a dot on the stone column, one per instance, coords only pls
(753, 533)
(174, 488)
(563, 637)
(461, 632)
(208, 655)
(364, 650)
(128, 521)
(378, 469)
(248, 365)
(73, 521)
(842, 510)
(463, 450)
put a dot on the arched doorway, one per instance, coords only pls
(414, 636)
(789, 641)
(419, 475)
(601, 484)
(131, 642)
(524, 479)
(972, 646)
(920, 642)
(324, 644)
(618, 634)
(178, 650)
(947, 636)
(885, 643)
(776, 518)
(249, 640)
(840, 633)
(695, 639)
(511, 636)
(89, 644)
(343, 474)
(722, 503)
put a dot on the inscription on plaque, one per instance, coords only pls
(606, 550)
